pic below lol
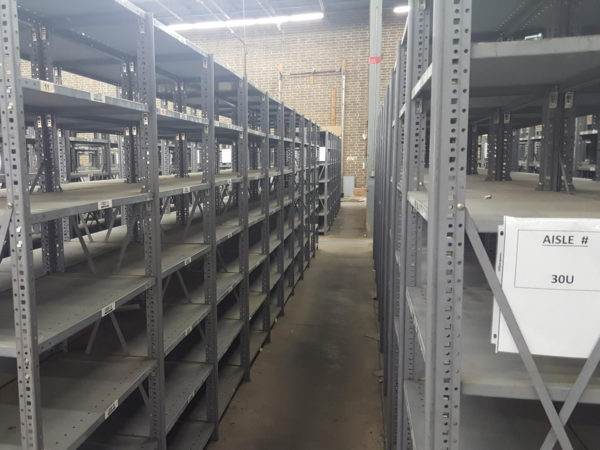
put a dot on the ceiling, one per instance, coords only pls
(178, 11)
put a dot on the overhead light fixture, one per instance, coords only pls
(402, 9)
(273, 20)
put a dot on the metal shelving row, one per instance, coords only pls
(133, 306)
(330, 179)
(494, 67)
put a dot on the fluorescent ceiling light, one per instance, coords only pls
(402, 9)
(273, 20)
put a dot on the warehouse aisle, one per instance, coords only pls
(315, 386)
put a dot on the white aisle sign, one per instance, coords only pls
(550, 273)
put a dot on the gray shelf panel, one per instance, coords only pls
(117, 35)
(520, 199)
(486, 373)
(286, 232)
(287, 262)
(119, 443)
(255, 174)
(499, 424)
(182, 382)
(274, 172)
(257, 340)
(227, 177)
(255, 301)
(170, 185)
(78, 394)
(173, 258)
(255, 260)
(79, 198)
(273, 207)
(170, 122)
(226, 282)
(190, 435)
(46, 96)
(179, 320)
(230, 377)
(542, 64)
(224, 127)
(255, 216)
(274, 276)
(227, 331)
(257, 133)
(67, 304)
(73, 254)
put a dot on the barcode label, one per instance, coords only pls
(97, 97)
(46, 86)
(186, 189)
(108, 309)
(103, 204)
(111, 409)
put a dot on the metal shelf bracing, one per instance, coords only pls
(495, 67)
(141, 272)
(329, 180)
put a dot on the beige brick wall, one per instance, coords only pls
(320, 46)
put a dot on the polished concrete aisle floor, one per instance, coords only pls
(316, 385)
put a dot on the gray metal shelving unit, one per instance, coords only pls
(494, 67)
(133, 306)
(330, 176)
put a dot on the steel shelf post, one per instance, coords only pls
(446, 225)
(264, 200)
(302, 201)
(21, 246)
(414, 63)
(243, 161)
(210, 261)
(280, 201)
(148, 142)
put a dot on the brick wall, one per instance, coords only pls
(317, 46)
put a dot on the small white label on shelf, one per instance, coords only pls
(103, 204)
(188, 261)
(98, 97)
(191, 397)
(108, 309)
(162, 111)
(186, 189)
(46, 86)
(188, 330)
(111, 409)
(549, 273)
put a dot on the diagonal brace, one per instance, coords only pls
(515, 330)
(575, 393)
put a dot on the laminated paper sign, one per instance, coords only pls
(550, 273)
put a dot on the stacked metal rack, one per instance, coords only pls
(133, 307)
(330, 175)
(494, 67)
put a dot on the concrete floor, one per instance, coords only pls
(316, 385)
